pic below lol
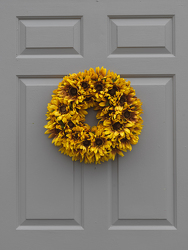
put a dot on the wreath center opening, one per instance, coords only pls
(91, 119)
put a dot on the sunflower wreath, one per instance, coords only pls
(119, 111)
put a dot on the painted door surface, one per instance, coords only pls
(136, 202)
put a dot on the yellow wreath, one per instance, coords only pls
(119, 111)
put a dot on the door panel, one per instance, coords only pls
(134, 202)
(146, 35)
(143, 201)
(49, 36)
(41, 165)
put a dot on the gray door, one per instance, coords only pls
(136, 202)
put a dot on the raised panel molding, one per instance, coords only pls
(141, 35)
(143, 182)
(50, 185)
(50, 36)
